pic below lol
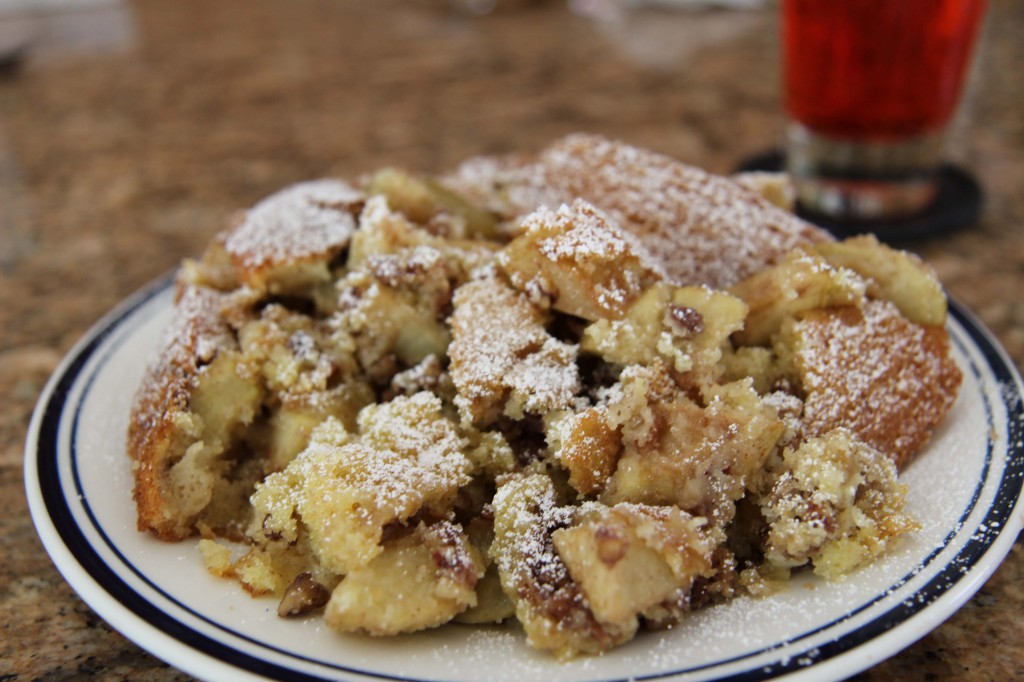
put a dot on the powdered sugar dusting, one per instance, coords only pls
(577, 261)
(499, 345)
(869, 369)
(702, 229)
(194, 336)
(297, 223)
(528, 507)
(580, 233)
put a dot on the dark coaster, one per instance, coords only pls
(957, 206)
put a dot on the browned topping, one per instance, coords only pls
(590, 451)
(702, 229)
(721, 585)
(302, 221)
(889, 380)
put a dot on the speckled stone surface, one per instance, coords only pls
(124, 151)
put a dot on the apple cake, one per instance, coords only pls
(590, 390)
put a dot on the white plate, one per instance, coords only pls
(965, 488)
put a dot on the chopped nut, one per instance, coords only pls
(611, 545)
(302, 596)
(687, 319)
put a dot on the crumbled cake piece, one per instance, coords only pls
(582, 578)
(693, 455)
(393, 327)
(285, 243)
(394, 298)
(503, 361)
(897, 276)
(762, 365)
(548, 602)
(187, 424)
(588, 445)
(802, 281)
(578, 261)
(629, 558)
(280, 546)
(286, 432)
(685, 327)
(309, 376)
(383, 231)
(428, 203)
(216, 558)
(591, 390)
(346, 488)
(418, 581)
(835, 503)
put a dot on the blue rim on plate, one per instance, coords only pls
(138, 604)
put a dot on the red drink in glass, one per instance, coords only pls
(870, 85)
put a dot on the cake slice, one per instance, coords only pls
(188, 421)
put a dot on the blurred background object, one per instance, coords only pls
(870, 87)
(482, 7)
(63, 27)
(664, 34)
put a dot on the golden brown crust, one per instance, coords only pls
(286, 241)
(160, 424)
(888, 380)
(700, 228)
(590, 450)
(579, 261)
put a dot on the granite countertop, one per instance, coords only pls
(129, 132)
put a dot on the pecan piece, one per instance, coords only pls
(302, 596)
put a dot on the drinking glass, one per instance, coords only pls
(870, 87)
